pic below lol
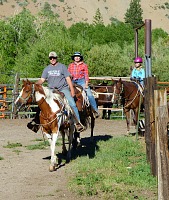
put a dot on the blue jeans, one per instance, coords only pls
(89, 93)
(71, 101)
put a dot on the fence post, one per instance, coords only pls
(150, 86)
(162, 154)
(15, 93)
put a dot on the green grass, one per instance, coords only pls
(42, 144)
(13, 145)
(118, 171)
(1, 158)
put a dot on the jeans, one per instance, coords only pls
(71, 101)
(89, 93)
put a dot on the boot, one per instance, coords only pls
(34, 124)
(79, 127)
(96, 114)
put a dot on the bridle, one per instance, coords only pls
(25, 100)
(117, 91)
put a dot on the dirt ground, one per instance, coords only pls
(26, 176)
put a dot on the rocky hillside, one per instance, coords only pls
(72, 11)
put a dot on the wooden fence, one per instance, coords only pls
(6, 101)
(29, 112)
(156, 133)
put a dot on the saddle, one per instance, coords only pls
(80, 90)
(58, 92)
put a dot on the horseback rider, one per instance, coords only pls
(80, 75)
(58, 77)
(138, 72)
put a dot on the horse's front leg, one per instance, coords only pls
(52, 141)
(70, 138)
(92, 127)
(64, 150)
(136, 117)
(127, 113)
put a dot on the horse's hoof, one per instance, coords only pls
(52, 168)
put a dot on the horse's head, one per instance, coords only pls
(117, 90)
(26, 95)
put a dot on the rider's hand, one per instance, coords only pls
(72, 93)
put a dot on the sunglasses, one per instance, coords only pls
(52, 58)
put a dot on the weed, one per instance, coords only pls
(13, 145)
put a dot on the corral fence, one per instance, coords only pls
(29, 111)
(156, 132)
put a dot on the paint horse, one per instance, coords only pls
(131, 99)
(86, 114)
(55, 116)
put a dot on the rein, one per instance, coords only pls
(121, 90)
(132, 100)
(57, 117)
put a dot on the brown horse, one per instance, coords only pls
(104, 95)
(85, 111)
(130, 94)
(55, 116)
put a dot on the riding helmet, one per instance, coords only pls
(138, 60)
(78, 54)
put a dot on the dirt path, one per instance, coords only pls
(25, 175)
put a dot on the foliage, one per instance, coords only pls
(119, 170)
(98, 19)
(134, 13)
(26, 41)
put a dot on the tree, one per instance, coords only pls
(134, 13)
(98, 19)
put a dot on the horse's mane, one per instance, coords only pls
(47, 92)
(131, 84)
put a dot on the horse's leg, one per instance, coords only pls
(135, 117)
(92, 127)
(76, 139)
(52, 141)
(70, 138)
(109, 111)
(127, 113)
(103, 112)
(64, 150)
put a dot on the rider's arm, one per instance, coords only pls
(86, 74)
(40, 81)
(69, 82)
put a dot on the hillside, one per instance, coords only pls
(72, 11)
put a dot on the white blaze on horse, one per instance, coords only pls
(55, 116)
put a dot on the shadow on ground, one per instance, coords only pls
(86, 148)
